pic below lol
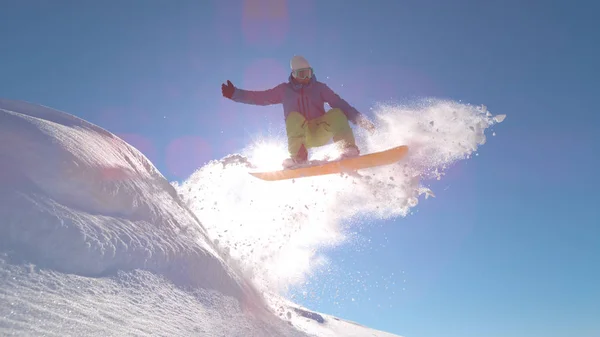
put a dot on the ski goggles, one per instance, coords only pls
(303, 73)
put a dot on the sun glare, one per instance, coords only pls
(268, 155)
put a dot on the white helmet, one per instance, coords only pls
(299, 62)
(300, 67)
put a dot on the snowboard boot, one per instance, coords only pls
(300, 158)
(291, 162)
(350, 152)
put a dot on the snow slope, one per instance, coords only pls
(95, 241)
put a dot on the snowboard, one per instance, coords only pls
(347, 165)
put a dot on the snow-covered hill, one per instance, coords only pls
(94, 241)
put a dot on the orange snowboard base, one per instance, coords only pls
(386, 157)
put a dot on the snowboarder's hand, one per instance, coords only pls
(228, 89)
(366, 124)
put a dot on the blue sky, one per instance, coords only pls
(511, 244)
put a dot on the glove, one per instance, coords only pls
(228, 89)
(366, 124)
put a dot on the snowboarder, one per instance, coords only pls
(307, 123)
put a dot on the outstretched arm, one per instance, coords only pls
(263, 97)
(335, 101)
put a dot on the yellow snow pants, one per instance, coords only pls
(319, 131)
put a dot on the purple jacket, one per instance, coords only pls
(306, 99)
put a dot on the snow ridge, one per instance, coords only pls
(81, 209)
